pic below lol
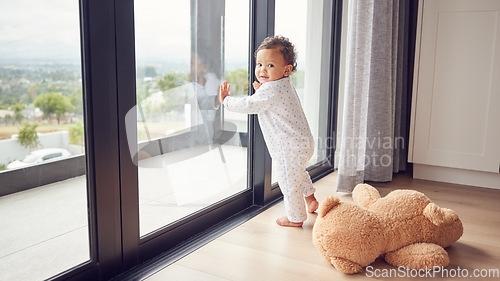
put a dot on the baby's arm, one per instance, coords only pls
(255, 104)
(256, 85)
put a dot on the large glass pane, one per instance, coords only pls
(43, 203)
(308, 31)
(191, 154)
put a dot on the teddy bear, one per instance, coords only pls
(404, 227)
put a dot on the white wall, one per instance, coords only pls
(11, 150)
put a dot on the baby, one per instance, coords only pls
(283, 123)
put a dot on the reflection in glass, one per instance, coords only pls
(43, 187)
(190, 153)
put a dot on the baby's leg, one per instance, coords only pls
(294, 207)
(283, 221)
(308, 187)
(295, 183)
(312, 203)
(292, 194)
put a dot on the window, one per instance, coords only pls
(191, 153)
(43, 205)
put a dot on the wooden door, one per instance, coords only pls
(457, 103)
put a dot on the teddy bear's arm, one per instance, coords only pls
(345, 266)
(419, 256)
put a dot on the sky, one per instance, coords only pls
(39, 29)
(48, 30)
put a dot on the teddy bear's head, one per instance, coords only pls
(449, 226)
(411, 215)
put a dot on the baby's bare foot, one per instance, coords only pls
(312, 203)
(283, 221)
(312, 206)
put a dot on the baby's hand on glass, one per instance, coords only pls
(224, 91)
(256, 85)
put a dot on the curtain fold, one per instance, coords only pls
(373, 144)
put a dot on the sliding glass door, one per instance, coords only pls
(185, 163)
(190, 153)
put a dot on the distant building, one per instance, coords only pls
(24, 81)
(31, 112)
(4, 113)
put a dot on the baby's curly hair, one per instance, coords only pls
(286, 47)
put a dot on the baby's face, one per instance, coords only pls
(271, 65)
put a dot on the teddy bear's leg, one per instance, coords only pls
(345, 266)
(419, 256)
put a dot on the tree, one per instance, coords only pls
(28, 136)
(150, 71)
(76, 133)
(239, 82)
(7, 118)
(33, 91)
(53, 104)
(17, 108)
(298, 79)
(77, 101)
(172, 80)
(173, 100)
(18, 116)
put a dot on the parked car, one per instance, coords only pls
(40, 156)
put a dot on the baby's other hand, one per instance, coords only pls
(224, 91)
(256, 85)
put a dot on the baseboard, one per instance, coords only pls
(458, 176)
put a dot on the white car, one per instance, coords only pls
(40, 156)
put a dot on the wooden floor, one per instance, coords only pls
(261, 250)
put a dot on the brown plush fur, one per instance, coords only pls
(404, 227)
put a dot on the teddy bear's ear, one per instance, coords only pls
(439, 215)
(328, 204)
(365, 194)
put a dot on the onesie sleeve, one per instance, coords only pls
(254, 104)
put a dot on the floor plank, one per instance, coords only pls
(261, 250)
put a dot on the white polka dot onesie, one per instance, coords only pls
(287, 136)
